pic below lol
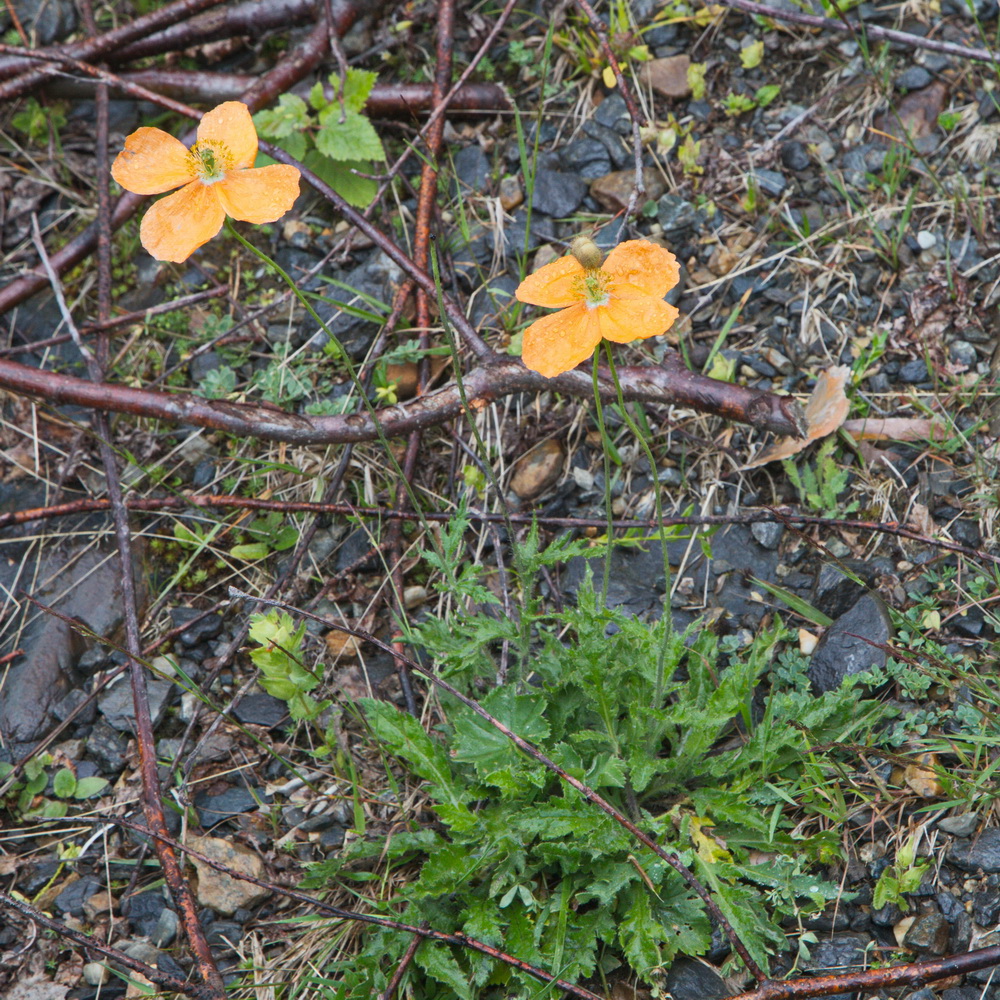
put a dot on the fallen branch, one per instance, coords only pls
(669, 384)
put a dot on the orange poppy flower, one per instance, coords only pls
(218, 179)
(621, 300)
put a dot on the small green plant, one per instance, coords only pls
(269, 534)
(521, 861)
(26, 796)
(901, 877)
(735, 105)
(819, 485)
(40, 123)
(279, 657)
(332, 138)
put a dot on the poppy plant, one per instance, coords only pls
(218, 178)
(620, 300)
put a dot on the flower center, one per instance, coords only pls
(594, 288)
(212, 160)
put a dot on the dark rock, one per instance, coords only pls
(72, 898)
(961, 352)
(356, 553)
(840, 654)
(106, 747)
(767, 534)
(794, 156)
(982, 853)
(119, 711)
(377, 279)
(46, 22)
(950, 906)
(613, 112)
(492, 300)
(260, 709)
(143, 911)
(961, 933)
(960, 826)
(986, 907)
(913, 78)
(203, 627)
(913, 372)
(676, 215)
(618, 153)
(36, 876)
(332, 839)
(166, 928)
(962, 993)
(472, 170)
(76, 699)
(771, 182)
(691, 980)
(558, 194)
(587, 157)
(928, 935)
(834, 592)
(887, 916)
(224, 935)
(840, 952)
(233, 801)
(202, 364)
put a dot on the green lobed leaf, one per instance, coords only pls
(351, 139)
(438, 963)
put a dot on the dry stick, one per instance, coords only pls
(88, 943)
(635, 115)
(249, 20)
(770, 515)
(152, 805)
(386, 100)
(93, 48)
(397, 977)
(426, 201)
(872, 30)
(670, 383)
(532, 751)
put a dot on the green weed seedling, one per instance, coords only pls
(333, 139)
(279, 657)
(819, 485)
(27, 796)
(901, 877)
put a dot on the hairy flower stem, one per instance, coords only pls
(658, 505)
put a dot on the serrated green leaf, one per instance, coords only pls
(439, 964)
(638, 933)
(291, 115)
(480, 743)
(64, 783)
(886, 890)
(317, 98)
(357, 87)
(353, 138)
(405, 737)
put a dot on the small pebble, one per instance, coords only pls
(926, 239)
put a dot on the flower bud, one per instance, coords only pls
(587, 252)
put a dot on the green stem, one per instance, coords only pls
(606, 441)
(640, 437)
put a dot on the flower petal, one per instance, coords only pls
(624, 320)
(152, 162)
(261, 194)
(555, 344)
(230, 124)
(177, 225)
(638, 267)
(555, 285)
